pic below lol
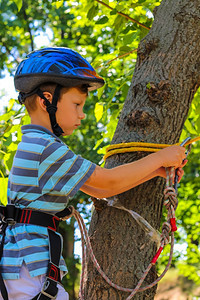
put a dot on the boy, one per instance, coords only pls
(53, 84)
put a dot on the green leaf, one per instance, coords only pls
(189, 127)
(120, 7)
(12, 147)
(102, 20)
(118, 21)
(127, 29)
(3, 194)
(100, 91)
(98, 143)
(8, 160)
(148, 86)
(8, 140)
(10, 104)
(19, 4)
(143, 32)
(5, 117)
(92, 12)
(102, 150)
(124, 49)
(197, 124)
(129, 38)
(113, 12)
(26, 119)
(197, 111)
(98, 111)
(58, 3)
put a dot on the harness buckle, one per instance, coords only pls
(49, 289)
(10, 221)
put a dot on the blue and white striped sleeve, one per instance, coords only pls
(61, 171)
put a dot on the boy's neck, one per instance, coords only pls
(42, 123)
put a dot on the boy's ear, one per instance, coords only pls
(42, 101)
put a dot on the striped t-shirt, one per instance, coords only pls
(44, 175)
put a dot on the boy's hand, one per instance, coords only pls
(172, 156)
(180, 172)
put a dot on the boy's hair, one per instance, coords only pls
(30, 102)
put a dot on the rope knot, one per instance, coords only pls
(170, 198)
(165, 237)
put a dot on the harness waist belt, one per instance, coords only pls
(12, 215)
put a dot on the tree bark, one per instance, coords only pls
(67, 231)
(166, 77)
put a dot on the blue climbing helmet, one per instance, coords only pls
(59, 65)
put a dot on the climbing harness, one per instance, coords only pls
(10, 215)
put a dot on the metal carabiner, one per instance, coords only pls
(187, 152)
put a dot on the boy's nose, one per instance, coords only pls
(82, 116)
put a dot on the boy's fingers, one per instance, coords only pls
(184, 163)
(180, 174)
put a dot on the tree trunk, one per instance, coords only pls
(166, 77)
(67, 231)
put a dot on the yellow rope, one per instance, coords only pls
(140, 146)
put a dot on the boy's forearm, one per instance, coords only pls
(100, 193)
(133, 174)
(110, 182)
(149, 177)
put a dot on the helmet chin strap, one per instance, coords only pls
(52, 108)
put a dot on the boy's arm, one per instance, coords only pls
(105, 194)
(100, 193)
(109, 182)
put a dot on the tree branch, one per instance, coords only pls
(124, 15)
(28, 26)
(120, 56)
(17, 60)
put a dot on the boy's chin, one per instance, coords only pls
(67, 133)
